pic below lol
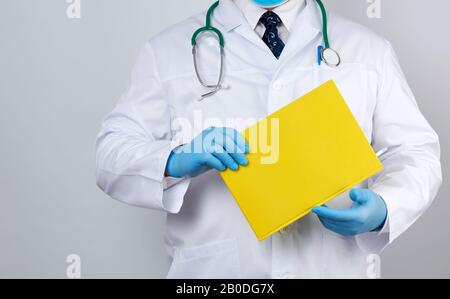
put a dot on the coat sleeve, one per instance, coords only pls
(134, 144)
(412, 174)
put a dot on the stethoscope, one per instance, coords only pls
(325, 52)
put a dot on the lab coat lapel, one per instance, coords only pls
(306, 28)
(232, 19)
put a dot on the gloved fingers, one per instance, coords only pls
(219, 152)
(339, 224)
(222, 137)
(212, 162)
(360, 196)
(340, 228)
(238, 139)
(330, 226)
(232, 149)
(336, 214)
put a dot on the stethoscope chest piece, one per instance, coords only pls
(330, 57)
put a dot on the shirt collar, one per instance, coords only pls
(287, 12)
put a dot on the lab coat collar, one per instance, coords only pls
(310, 15)
(251, 11)
(306, 27)
(289, 12)
(232, 19)
(229, 15)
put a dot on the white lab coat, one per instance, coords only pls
(207, 235)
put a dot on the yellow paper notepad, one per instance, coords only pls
(322, 153)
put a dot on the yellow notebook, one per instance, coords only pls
(303, 156)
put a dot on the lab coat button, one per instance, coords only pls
(277, 85)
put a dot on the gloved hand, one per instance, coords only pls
(214, 148)
(368, 213)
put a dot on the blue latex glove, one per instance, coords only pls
(214, 148)
(368, 213)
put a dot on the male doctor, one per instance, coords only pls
(271, 59)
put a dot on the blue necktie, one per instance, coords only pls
(271, 20)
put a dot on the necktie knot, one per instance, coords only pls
(270, 19)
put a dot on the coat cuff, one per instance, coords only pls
(174, 189)
(173, 197)
(144, 185)
(375, 242)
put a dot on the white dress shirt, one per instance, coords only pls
(287, 12)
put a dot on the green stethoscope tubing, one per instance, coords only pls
(323, 51)
(324, 24)
(209, 27)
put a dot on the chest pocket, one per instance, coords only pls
(357, 84)
(218, 260)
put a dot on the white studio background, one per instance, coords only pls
(60, 76)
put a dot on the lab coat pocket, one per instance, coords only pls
(337, 251)
(214, 261)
